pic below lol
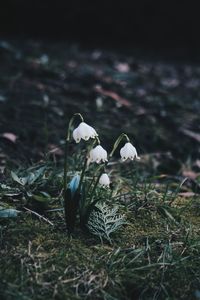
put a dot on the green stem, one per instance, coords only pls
(117, 142)
(71, 122)
(85, 162)
(65, 167)
(82, 174)
(67, 150)
(93, 178)
(96, 182)
(85, 217)
(97, 140)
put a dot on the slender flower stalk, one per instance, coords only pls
(65, 167)
(71, 123)
(105, 177)
(82, 173)
(86, 163)
(97, 181)
(117, 142)
(93, 178)
(67, 150)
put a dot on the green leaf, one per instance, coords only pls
(43, 197)
(6, 190)
(33, 176)
(8, 213)
(71, 207)
(169, 213)
(30, 178)
(104, 221)
(21, 181)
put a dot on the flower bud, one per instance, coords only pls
(104, 180)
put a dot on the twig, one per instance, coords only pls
(39, 216)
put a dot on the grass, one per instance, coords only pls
(154, 256)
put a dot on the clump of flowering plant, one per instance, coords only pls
(79, 195)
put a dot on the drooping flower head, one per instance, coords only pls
(104, 180)
(98, 154)
(128, 151)
(84, 131)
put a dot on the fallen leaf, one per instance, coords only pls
(2, 98)
(186, 194)
(190, 174)
(194, 135)
(122, 67)
(197, 163)
(10, 136)
(53, 149)
(170, 82)
(113, 95)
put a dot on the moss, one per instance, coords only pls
(41, 262)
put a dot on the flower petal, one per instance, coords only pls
(98, 154)
(104, 180)
(76, 135)
(84, 131)
(128, 151)
(93, 132)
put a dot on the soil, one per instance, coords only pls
(153, 100)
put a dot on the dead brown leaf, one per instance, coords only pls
(53, 149)
(10, 136)
(197, 163)
(194, 135)
(190, 174)
(113, 95)
(186, 194)
(122, 67)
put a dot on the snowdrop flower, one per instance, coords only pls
(84, 131)
(104, 180)
(98, 154)
(128, 151)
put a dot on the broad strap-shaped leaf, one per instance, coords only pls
(71, 207)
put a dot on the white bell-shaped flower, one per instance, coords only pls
(98, 154)
(128, 151)
(84, 131)
(104, 180)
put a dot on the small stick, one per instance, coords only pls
(39, 216)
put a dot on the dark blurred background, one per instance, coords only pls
(135, 63)
(167, 25)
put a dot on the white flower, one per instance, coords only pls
(104, 180)
(98, 154)
(84, 131)
(128, 151)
